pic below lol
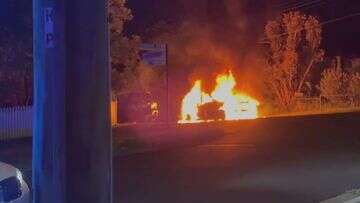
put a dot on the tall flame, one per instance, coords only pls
(235, 105)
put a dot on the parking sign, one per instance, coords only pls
(154, 54)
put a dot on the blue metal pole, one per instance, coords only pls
(72, 160)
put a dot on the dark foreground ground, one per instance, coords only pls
(285, 160)
(298, 159)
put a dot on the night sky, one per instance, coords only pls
(340, 38)
(15, 16)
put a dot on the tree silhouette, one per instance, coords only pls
(294, 41)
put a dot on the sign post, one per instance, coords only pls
(157, 55)
(167, 87)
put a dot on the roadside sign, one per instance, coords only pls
(154, 54)
(49, 27)
(157, 55)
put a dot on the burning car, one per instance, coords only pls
(198, 106)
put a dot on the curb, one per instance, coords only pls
(352, 196)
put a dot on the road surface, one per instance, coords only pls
(285, 160)
(303, 159)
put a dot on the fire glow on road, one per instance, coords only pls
(235, 105)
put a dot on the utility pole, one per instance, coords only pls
(72, 159)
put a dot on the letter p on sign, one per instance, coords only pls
(49, 27)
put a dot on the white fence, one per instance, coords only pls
(15, 122)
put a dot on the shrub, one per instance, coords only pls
(333, 82)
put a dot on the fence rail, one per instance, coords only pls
(15, 122)
(325, 103)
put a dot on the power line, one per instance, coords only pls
(303, 5)
(263, 40)
(314, 5)
(289, 4)
(310, 3)
(340, 18)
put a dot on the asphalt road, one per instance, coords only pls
(300, 159)
(280, 160)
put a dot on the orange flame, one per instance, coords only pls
(154, 109)
(235, 105)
